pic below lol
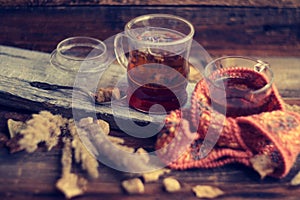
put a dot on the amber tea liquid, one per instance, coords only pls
(239, 99)
(157, 77)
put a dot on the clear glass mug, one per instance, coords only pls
(157, 64)
(239, 85)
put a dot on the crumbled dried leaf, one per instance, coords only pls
(194, 75)
(144, 154)
(263, 165)
(66, 159)
(116, 140)
(133, 186)
(154, 176)
(43, 127)
(82, 155)
(296, 180)
(71, 185)
(104, 126)
(206, 191)
(14, 127)
(171, 184)
(125, 148)
(107, 94)
(13, 144)
(85, 121)
(46, 127)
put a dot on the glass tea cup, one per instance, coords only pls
(157, 64)
(239, 86)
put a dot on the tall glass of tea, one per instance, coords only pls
(246, 83)
(156, 60)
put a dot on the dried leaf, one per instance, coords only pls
(85, 121)
(154, 176)
(144, 154)
(71, 185)
(82, 155)
(43, 127)
(171, 184)
(263, 165)
(14, 127)
(107, 94)
(194, 75)
(206, 191)
(296, 180)
(125, 148)
(66, 159)
(104, 126)
(133, 186)
(116, 140)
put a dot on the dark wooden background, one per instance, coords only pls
(256, 27)
(262, 28)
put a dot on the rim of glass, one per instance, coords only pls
(97, 43)
(267, 65)
(151, 16)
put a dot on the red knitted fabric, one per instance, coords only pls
(276, 134)
(273, 132)
(180, 148)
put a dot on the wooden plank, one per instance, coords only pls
(253, 3)
(19, 67)
(220, 30)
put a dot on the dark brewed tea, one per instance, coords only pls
(241, 99)
(157, 77)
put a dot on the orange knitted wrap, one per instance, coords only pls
(201, 137)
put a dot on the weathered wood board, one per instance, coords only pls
(19, 67)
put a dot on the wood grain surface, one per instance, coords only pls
(268, 30)
(19, 67)
(253, 3)
(33, 176)
(220, 30)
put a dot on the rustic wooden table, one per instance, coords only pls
(269, 31)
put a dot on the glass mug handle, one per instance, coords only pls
(119, 50)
